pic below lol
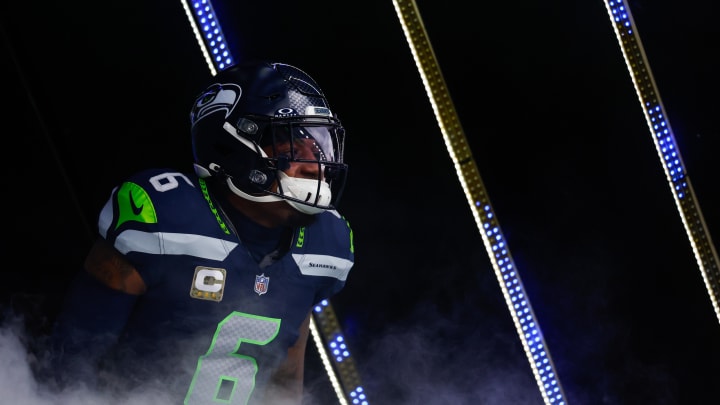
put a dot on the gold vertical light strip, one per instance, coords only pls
(317, 338)
(340, 360)
(518, 303)
(329, 339)
(667, 149)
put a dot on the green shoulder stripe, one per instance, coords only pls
(206, 194)
(352, 241)
(134, 204)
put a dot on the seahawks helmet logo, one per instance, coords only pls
(218, 97)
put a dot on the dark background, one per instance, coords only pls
(96, 90)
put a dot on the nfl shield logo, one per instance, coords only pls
(261, 284)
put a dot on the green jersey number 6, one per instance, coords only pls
(222, 376)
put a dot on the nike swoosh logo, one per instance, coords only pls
(135, 209)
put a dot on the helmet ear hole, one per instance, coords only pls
(260, 178)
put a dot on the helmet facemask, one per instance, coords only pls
(300, 160)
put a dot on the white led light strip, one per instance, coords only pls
(517, 301)
(341, 371)
(668, 152)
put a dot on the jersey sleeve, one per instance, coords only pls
(144, 213)
(330, 253)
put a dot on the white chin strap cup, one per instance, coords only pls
(305, 190)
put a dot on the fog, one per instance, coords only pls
(410, 364)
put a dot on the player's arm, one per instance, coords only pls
(111, 268)
(96, 308)
(287, 381)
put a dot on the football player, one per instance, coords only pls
(202, 284)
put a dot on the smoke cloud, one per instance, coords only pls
(434, 358)
(20, 385)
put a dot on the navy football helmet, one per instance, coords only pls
(254, 120)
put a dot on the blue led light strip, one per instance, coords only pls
(206, 27)
(668, 152)
(329, 339)
(517, 301)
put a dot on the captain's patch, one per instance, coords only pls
(208, 283)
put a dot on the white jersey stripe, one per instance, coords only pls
(323, 265)
(174, 244)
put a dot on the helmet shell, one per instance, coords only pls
(234, 117)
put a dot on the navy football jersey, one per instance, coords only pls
(213, 322)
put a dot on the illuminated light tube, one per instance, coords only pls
(326, 362)
(337, 354)
(667, 149)
(206, 27)
(346, 381)
(516, 299)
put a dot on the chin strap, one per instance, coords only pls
(324, 191)
(306, 209)
(256, 198)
